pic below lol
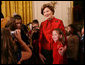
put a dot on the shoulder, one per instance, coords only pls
(59, 23)
(59, 42)
(76, 37)
(58, 20)
(44, 22)
(70, 38)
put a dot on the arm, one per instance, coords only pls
(22, 43)
(40, 38)
(63, 30)
(27, 53)
(40, 41)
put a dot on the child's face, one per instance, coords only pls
(55, 35)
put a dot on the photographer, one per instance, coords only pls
(35, 30)
(22, 27)
(34, 35)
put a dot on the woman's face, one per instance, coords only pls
(55, 36)
(47, 13)
(18, 24)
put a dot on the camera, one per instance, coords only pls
(36, 28)
(12, 34)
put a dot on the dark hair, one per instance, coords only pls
(48, 5)
(8, 48)
(24, 28)
(35, 21)
(59, 31)
(17, 17)
(71, 25)
(73, 29)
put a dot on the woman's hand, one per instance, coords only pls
(17, 34)
(42, 58)
(21, 42)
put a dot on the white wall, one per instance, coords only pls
(62, 11)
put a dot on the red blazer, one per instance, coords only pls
(46, 28)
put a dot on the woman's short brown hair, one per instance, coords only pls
(48, 5)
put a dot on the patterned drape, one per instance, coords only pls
(23, 8)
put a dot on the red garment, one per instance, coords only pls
(57, 58)
(45, 39)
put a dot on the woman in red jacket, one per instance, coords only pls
(45, 38)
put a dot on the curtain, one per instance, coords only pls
(23, 8)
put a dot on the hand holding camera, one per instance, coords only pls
(16, 34)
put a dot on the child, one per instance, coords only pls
(57, 56)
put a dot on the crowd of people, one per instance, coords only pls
(49, 43)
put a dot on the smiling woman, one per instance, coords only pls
(23, 8)
(45, 38)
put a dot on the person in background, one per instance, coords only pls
(82, 39)
(72, 45)
(23, 28)
(34, 36)
(82, 47)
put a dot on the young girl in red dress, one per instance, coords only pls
(57, 45)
